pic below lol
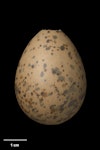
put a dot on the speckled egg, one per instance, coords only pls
(50, 81)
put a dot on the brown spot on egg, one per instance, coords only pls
(54, 36)
(67, 75)
(31, 93)
(33, 57)
(24, 83)
(34, 110)
(45, 70)
(48, 31)
(45, 37)
(48, 40)
(55, 117)
(63, 70)
(48, 47)
(38, 39)
(36, 84)
(44, 65)
(32, 66)
(72, 67)
(70, 55)
(64, 85)
(62, 47)
(44, 94)
(20, 70)
(37, 61)
(24, 95)
(62, 106)
(56, 71)
(21, 77)
(51, 93)
(41, 102)
(42, 74)
(52, 108)
(42, 59)
(65, 93)
(37, 89)
(61, 78)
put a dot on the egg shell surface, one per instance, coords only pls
(50, 81)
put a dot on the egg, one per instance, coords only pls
(50, 80)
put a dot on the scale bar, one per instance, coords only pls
(14, 139)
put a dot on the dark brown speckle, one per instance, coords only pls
(48, 40)
(24, 95)
(62, 47)
(56, 71)
(48, 31)
(32, 66)
(33, 57)
(20, 70)
(38, 39)
(45, 37)
(44, 94)
(70, 55)
(31, 93)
